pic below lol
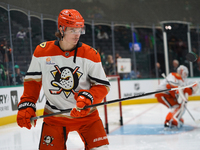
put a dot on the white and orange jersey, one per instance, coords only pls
(171, 81)
(61, 74)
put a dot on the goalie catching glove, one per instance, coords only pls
(83, 98)
(26, 110)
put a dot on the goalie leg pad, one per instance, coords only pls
(168, 120)
(177, 113)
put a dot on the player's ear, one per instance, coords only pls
(61, 31)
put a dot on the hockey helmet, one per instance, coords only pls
(70, 18)
(183, 71)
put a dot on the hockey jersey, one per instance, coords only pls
(61, 74)
(172, 80)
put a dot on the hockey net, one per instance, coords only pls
(113, 112)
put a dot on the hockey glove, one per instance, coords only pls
(195, 88)
(173, 93)
(84, 98)
(26, 110)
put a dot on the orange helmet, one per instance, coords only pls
(70, 18)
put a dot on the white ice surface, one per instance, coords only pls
(13, 137)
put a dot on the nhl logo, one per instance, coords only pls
(66, 54)
(136, 86)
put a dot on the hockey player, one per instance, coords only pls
(72, 76)
(172, 100)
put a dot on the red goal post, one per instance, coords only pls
(110, 78)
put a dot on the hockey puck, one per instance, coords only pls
(191, 56)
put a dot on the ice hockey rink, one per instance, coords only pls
(142, 130)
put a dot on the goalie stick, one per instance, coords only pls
(109, 102)
(184, 98)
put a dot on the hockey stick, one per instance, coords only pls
(184, 98)
(196, 121)
(109, 102)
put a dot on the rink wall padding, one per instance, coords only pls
(9, 99)
(10, 96)
(153, 100)
(131, 88)
(12, 118)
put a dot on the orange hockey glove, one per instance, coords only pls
(26, 110)
(173, 93)
(84, 98)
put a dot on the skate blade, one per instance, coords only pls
(172, 128)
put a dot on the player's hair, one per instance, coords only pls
(58, 34)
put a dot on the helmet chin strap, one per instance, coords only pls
(62, 35)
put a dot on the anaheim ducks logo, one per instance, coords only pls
(48, 140)
(66, 80)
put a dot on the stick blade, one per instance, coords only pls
(163, 74)
(191, 56)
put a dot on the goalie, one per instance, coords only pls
(172, 99)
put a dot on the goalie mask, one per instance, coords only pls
(183, 71)
(71, 18)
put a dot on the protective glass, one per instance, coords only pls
(75, 31)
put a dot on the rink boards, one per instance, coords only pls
(10, 96)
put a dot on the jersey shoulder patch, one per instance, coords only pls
(43, 44)
(176, 75)
(90, 53)
(94, 49)
(90, 48)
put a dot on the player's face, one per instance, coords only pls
(72, 35)
(184, 75)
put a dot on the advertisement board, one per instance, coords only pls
(10, 97)
(131, 88)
